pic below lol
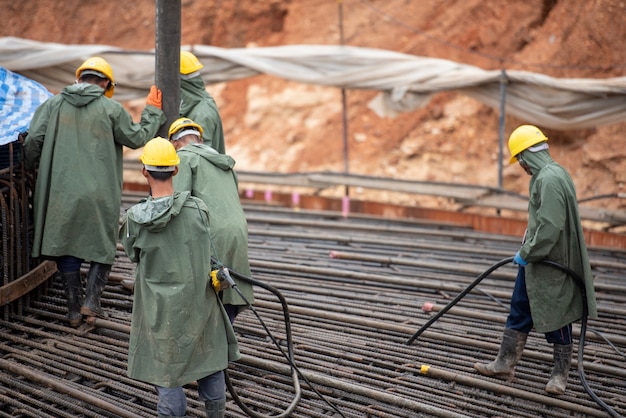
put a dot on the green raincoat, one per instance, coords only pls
(180, 331)
(76, 137)
(198, 105)
(554, 233)
(210, 177)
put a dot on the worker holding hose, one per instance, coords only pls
(543, 297)
(180, 332)
(209, 176)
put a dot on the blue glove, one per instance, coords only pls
(519, 260)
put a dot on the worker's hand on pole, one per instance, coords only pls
(155, 98)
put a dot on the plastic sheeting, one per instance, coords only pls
(406, 82)
(19, 98)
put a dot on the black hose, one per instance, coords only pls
(583, 326)
(289, 355)
(458, 298)
(583, 330)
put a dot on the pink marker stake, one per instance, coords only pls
(345, 206)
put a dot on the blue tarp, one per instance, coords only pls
(19, 98)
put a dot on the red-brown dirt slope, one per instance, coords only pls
(275, 125)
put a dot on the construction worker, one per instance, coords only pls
(180, 332)
(197, 104)
(75, 139)
(545, 297)
(209, 176)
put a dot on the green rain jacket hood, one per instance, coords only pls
(81, 94)
(155, 214)
(222, 161)
(77, 139)
(180, 331)
(554, 233)
(198, 105)
(209, 176)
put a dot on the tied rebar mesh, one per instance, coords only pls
(357, 289)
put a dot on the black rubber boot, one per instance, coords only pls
(74, 295)
(511, 349)
(560, 372)
(215, 409)
(97, 279)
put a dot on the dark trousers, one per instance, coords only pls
(173, 401)
(68, 263)
(520, 318)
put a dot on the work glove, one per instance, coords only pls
(519, 260)
(155, 98)
(218, 282)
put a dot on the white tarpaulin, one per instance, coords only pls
(405, 81)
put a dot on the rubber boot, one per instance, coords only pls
(215, 409)
(97, 279)
(560, 372)
(511, 349)
(74, 295)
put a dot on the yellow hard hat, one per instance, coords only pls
(522, 138)
(180, 124)
(99, 67)
(159, 155)
(189, 63)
